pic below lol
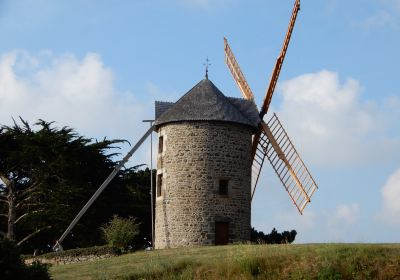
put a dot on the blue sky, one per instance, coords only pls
(98, 66)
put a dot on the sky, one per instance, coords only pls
(98, 66)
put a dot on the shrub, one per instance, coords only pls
(38, 271)
(12, 266)
(274, 237)
(96, 251)
(121, 232)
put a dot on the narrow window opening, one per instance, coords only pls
(159, 184)
(223, 186)
(160, 144)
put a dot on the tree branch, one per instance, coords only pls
(26, 214)
(29, 190)
(4, 200)
(22, 201)
(4, 215)
(27, 204)
(11, 168)
(21, 217)
(5, 180)
(32, 235)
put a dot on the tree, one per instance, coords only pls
(288, 236)
(45, 172)
(12, 266)
(121, 232)
(274, 237)
(133, 199)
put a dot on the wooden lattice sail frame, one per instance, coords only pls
(271, 140)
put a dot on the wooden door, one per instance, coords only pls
(221, 233)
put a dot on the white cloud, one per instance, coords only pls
(392, 4)
(380, 20)
(331, 125)
(346, 214)
(391, 196)
(72, 92)
(341, 225)
(387, 17)
(330, 6)
(204, 4)
(305, 222)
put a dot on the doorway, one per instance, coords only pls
(221, 233)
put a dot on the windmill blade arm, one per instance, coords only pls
(272, 86)
(283, 158)
(259, 154)
(275, 145)
(279, 61)
(237, 74)
(102, 187)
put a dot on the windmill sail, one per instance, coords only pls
(237, 74)
(270, 140)
(290, 168)
(275, 74)
(258, 161)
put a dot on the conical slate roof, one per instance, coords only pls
(205, 102)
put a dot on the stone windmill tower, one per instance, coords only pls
(211, 152)
(203, 186)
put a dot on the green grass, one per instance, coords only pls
(311, 261)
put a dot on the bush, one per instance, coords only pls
(96, 251)
(38, 271)
(121, 232)
(12, 266)
(274, 237)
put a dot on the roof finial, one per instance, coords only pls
(206, 65)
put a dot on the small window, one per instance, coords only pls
(223, 186)
(159, 184)
(160, 144)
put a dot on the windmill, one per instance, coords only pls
(219, 191)
(271, 140)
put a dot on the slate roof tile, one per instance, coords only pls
(205, 102)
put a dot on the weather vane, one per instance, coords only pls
(206, 65)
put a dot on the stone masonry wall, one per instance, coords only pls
(195, 156)
(57, 260)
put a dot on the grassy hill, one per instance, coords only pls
(311, 261)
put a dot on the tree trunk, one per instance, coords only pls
(11, 213)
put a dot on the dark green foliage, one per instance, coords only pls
(53, 172)
(12, 266)
(121, 232)
(274, 237)
(131, 198)
(288, 236)
(38, 271)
